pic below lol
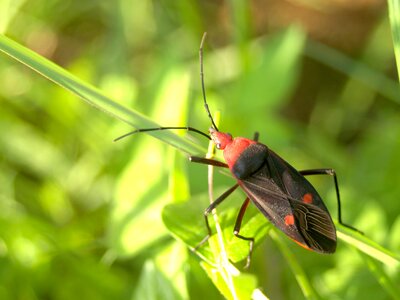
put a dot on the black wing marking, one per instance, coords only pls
(312, 223)
(277, 189)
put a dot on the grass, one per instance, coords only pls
(116, 220)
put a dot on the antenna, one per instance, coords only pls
(188, 128)
(202, 81)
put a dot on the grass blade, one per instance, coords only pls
(367, 246)
(394, 17)
(91, 94)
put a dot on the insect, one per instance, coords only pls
(278, 190)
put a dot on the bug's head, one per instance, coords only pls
(220, 139)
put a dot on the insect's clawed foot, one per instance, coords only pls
(248, 261)
(203, 241)
(352, 228)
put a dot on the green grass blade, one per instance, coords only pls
(394, 17)
(243, 285)
(384, 280)
(367, 246)
(354, 69)
(91, 94)
(298, 272)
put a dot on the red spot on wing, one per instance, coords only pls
(289, 220)
(308, 198)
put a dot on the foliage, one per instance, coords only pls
(81, 214)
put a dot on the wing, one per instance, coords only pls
(291, 203)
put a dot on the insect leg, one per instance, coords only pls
(209, 210)
(207, 161)
(332, 173)
(236, 230)
(256, 136)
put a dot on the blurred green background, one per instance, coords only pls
(81, 216)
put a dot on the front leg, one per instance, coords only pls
(208, 161)
(209, 209)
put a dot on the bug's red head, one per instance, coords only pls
(220, 139)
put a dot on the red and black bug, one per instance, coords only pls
(278, 190)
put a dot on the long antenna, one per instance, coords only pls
(184, 127)
(188, 128)
(202, 81)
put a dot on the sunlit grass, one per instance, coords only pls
(81, 213)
